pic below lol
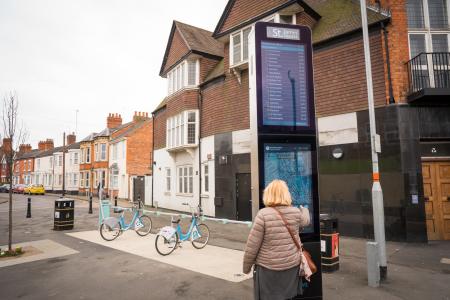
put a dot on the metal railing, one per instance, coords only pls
(429, 70)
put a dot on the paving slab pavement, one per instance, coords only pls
(46, 249)
(218, 262)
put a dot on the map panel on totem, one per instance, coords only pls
(293, 164)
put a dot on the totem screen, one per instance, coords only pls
(284, 80)
(293, 164)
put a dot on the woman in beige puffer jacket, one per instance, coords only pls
(270, 246)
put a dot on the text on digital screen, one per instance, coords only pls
(284, 85)
(283, 33)
(293, 164)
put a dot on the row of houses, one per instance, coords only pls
(111, 158)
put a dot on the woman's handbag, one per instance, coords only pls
(306, 256)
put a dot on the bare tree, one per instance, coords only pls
(15, 135)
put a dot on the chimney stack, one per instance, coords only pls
(140, 116)
(113, 121)
(45, 145)
(7, 147)
(24, 148)
(71, 139)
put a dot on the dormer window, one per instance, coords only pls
(184, 75)
(239, 39)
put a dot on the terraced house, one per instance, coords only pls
(201, 129)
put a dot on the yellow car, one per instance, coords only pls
(34, 189)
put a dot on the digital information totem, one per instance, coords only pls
(283, 125)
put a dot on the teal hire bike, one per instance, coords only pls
(112, 227)
(170, 237)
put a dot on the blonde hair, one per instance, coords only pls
(277, 194)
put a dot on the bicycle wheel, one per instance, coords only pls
(164, 246)
(109, 233)
(203, 238)
(147, 222)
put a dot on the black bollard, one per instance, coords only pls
(90, 204)
(115, 201)
(29, 208)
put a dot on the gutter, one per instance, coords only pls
(388, 62)
(200, 102)
(153, 153)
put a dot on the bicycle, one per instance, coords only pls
(170, 237)
(112, 227)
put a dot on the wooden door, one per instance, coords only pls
(436, 182)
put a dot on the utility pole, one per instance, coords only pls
(377, 192)
(64, 166)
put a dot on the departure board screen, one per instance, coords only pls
(293, 164)
(284, 84)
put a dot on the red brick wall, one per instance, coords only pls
(243, 10)
(398, 48)
(339, 74)
(206, 65)
(178, 102)
(139, 150)
(178, 49)
(160, 130)
(225, 104)
(303, 18)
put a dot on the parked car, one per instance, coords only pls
(5, 188)
(34, 189)
(18, 188)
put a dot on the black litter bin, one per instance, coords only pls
(64, 214)
(329, 243)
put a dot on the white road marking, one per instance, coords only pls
(213, 261)
(49, 249)
(445, 261)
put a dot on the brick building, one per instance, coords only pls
(5, 168)
(24, 164)
(130, 153)
(201, 129)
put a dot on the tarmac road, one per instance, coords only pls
(98, 272)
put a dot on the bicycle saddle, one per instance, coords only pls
(175, 219)
(118, 210)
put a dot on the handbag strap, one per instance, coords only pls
(287, 227)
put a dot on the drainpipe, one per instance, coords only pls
(153, 153)
(388, 62)
(200, 101)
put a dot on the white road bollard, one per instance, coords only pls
(373, 264)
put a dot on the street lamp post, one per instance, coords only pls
(377, 192)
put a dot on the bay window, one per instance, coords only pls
(185, 74)
(239, 46)
(182, 129)
(103, 151)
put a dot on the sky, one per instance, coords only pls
(92, 56)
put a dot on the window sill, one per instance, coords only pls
(184, 195)
(204, 196)
(186, 88)
(182, 147)
(240, 66)
(167, 193)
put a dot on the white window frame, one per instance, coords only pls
(75, 158)
(177, 130)
(87, 181)
(96, 152)
(178, 76)
(168, 177)
(88, 155)
(185, 180)
(114, 152)
(206, 178)
(428, 33)
(103, 149)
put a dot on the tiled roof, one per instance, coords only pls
(199, 39)
(29, 154)
(340, 17)
(217, 71)
(161, 105)
(89, 138)
(130, 130)
(74, 146)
